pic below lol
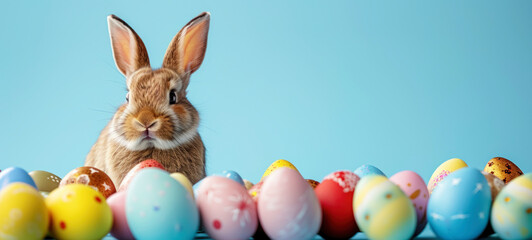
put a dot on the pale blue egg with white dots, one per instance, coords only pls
(159, 207)
(368, 170)
(459, 208)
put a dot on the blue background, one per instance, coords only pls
(326, 85)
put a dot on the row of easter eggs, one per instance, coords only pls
(151, 203)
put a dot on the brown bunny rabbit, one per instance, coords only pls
(157, 122)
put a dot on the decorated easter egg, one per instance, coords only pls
(45, 181)
(460, 206)
(92, 177)
(288, 207)
(367, 170)
(503, 169)
(227, 210)
(117, 203)
(511, 214)
(414, 187)
(443, 170)
(382, 210)
(335, 194)
(276, 165)
(159, 207)
(181, 178)
(232, 175)
(15, 174)
(78, 211)
(150, 163)
(312, 183)
(496, 185)
(23, 214)
(255, 190)
(248, 184)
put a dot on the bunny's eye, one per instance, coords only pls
(173, 97)
(127, 97)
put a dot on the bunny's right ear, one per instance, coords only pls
(128, 49)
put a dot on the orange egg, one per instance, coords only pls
(503, 168)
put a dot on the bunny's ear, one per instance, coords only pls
(128, 49)
(187, 49)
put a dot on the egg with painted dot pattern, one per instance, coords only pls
(382, 210)
(503, 169)
(443, 171)
(159, 207)
(23, 213)
(511, 215)
(368, 170)
(414, 187)
(92, 177)
(227, 210)
(460, 206)
(78, 211)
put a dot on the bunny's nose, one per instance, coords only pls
(146, 120)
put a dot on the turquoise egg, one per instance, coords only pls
(459, 207)
(159, 207)
(511, 214)
(382, 210)
(15, 174)
(367, 170)
(233, 176)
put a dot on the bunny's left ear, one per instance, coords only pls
(187, 49)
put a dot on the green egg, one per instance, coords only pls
(45, 181)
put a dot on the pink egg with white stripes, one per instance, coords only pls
(414, 187)
(288, 207)
(227, 210)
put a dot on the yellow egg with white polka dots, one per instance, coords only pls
(78, 211)
(23, 214)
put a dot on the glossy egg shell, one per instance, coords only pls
(335, 194)
(414, 187)
(276, 165)
(382, 210)
(77, 211)
(150, 163)
(45, 181)
(443, 170)
(312, 183)
(460, 206)
(117, 203)
(159, 207)
(15, 174)
(181, 178)
(368, 170)
(92, 177)
(227, 210)
(288, 207)
(23, 213)
(248, 184)
(503, 169)
(511, 215)
(233, 176)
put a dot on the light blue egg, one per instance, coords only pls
(368, 170)
(233, 176)
(159, 207)
(15, 174)
(459, 208)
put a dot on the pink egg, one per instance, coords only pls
(288, 207)
(227, 210)
(150, 163)
(120, 229)
(414, 187)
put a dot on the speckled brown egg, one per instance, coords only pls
(248, 184)
(45, 181)
(495, 184)
(313, 183)
(93, 177)
(503, 168)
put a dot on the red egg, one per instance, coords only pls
(150, 163)
(335, 194)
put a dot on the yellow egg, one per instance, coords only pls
(23, 214)
(276, 165)
(78, 211)
(181, 178)
(443, 170)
